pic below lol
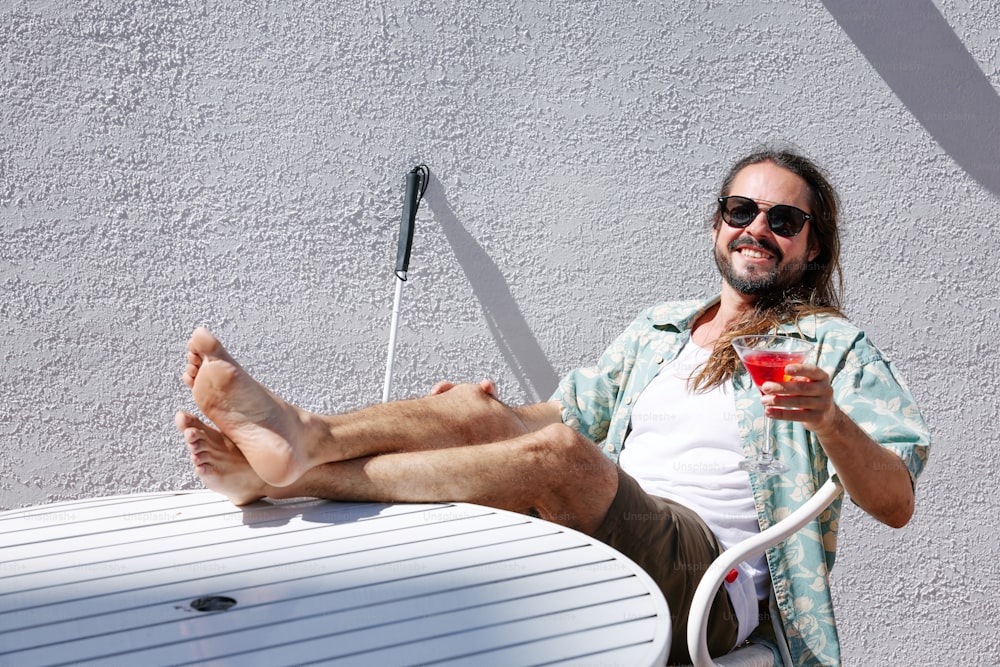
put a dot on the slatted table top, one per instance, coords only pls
(187, 578)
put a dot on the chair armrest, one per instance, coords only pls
(697, 629)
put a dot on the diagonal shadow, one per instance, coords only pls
(916, 52)
(511, 332)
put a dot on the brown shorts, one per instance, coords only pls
(675, 547)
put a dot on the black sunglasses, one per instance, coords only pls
(784, 220)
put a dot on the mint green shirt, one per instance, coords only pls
(597, 401)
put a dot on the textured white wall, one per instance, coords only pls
(240, 164)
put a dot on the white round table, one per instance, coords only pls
(188, 578)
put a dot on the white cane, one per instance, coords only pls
(416, 183)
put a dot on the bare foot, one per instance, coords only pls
(218, 462)
(270, 432)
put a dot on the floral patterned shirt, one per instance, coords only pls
(597, 401)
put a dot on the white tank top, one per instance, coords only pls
(686, 447)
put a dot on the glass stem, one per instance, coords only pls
(765, 452)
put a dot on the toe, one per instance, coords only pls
(185, 420)
(192, 429)
(203, 343)
(193, 437)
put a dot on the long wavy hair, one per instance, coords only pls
(821, 287)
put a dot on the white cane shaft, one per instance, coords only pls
(387, 387)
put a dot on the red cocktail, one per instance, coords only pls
(768, 366)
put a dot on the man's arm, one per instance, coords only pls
(876, 478)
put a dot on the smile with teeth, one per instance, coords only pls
(753, 253)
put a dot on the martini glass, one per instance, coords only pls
(765, 358)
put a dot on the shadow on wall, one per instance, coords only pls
(513, 336)
(917, 53)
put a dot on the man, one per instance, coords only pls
(674, 413)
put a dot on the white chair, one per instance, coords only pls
(697, 630)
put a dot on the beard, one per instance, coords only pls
(756, 282)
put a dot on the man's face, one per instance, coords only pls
(754, 260)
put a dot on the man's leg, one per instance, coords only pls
(555, 470)
(282, 442)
